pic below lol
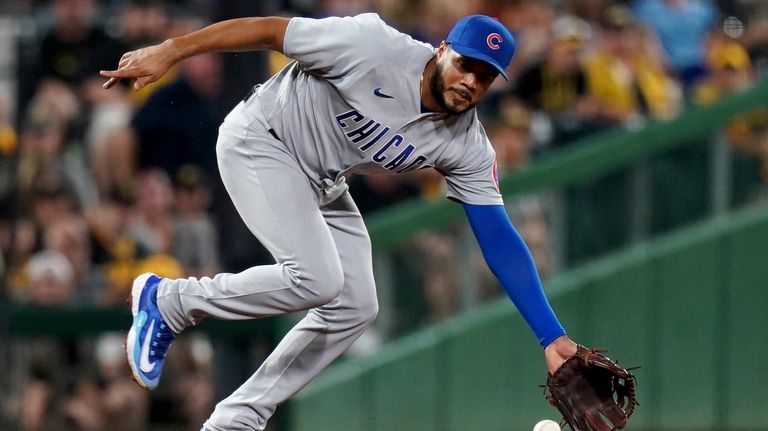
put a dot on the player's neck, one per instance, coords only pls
(428, 102)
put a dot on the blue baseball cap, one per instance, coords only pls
(483, 38)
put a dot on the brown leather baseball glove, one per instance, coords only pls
(592, 392)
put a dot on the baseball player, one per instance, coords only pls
(359, 97)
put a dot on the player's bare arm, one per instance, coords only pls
(147, 65)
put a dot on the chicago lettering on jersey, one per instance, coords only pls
(375, 138)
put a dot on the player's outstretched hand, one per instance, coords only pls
(144, 66)
(592, 392)
(558, 351)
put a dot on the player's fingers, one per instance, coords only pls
(126, 57)
(110, 83)
(119, 73)
(143, 81)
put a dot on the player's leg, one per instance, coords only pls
(279, 205)
(315, 341)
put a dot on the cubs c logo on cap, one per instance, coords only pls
(493, 40)
(483, 38)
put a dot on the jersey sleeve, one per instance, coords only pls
(472, 177)
(334, 46)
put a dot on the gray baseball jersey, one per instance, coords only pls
(364, 116)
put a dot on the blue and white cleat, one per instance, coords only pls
(149, 336)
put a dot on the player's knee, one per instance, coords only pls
(367, 312)
(366, 306)
(323, 283)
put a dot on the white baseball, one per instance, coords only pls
(546, 425)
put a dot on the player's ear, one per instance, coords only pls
(442, 48)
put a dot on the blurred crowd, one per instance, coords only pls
(98, 186)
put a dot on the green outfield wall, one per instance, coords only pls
(691, 309)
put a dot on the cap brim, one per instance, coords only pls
(477, 55)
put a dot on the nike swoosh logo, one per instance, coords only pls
(144, 363)
(378, 92)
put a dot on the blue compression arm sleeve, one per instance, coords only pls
(511, 262)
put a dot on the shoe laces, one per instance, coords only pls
(161, 341)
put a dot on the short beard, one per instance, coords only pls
(437, 88)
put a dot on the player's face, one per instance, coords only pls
(459, 83)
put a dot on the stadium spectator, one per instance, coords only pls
(192, 388)
(531, 23)
(555, 87)
(76, 48)
(731, 71)
(132, 237)
(729, 66)
(195, 238)
(590, 10)
(33, 407)
(682, 27)
(47, 200)
(150, 229)
(52, 200)
(151, 224)
(8, 135)
(83, 406)
(106, 137)
(177, 125)
(439, 277)
(51, 280)
(71, 238)
(46, 143)
(755, 39)
(441, 15)
(113, 246)
(510, 136)
(105, 396)
(626, 77)
(125, 407)
(143, 22)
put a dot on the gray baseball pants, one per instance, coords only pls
(324, 265)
